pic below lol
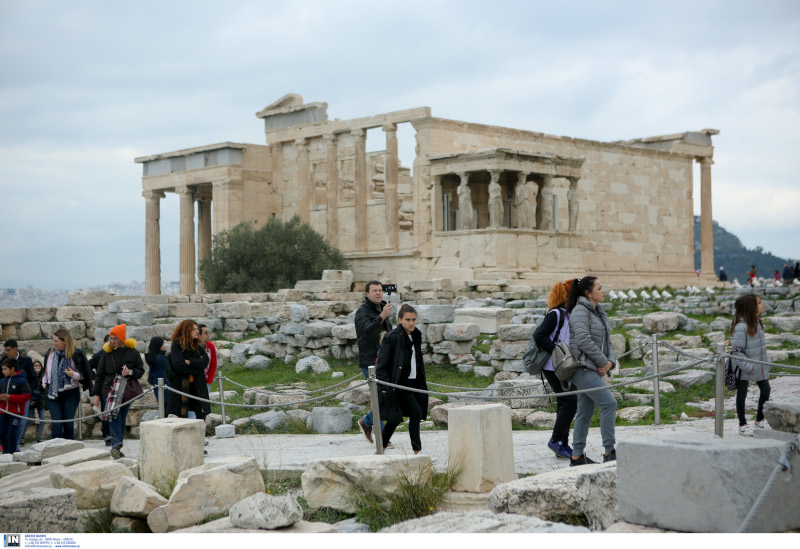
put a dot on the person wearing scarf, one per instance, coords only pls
(65, 372)
(120, 363)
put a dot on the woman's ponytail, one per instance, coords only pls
(573, 295)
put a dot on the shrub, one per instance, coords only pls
(275, 256)
(416, 497)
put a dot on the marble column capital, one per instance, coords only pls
(358, 133)
(301, 141)
(389, 127)
(186, 190)
(495, 174)
(330, 139)
(706, 161)
(464, 176)
(153, 196)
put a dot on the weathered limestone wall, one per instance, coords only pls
(635, 220)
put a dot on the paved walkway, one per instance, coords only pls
(531, 455)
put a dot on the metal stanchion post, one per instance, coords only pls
(719, 404)
(80, 421)
(221, 396)
(376, 413)
(161, 404)
(656, 389)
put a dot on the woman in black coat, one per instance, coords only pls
(400, 362)
(186, 372)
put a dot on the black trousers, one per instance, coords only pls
(566, 407)
(741, 394)
(411, 410)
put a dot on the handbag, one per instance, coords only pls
(730, 371)
(132, 390)
(564, 362)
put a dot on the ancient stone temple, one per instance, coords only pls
(479, 202)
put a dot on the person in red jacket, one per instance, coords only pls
(15, 393)
(211, 352)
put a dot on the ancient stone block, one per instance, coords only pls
(144, 318)
(134, 498)
(76, 329)
(187, 310)
(47, 449)
(435, 314)
(328, 482)
(93, 481)
(524, 393)
(169, 446)
(13, 316)
(258, 362)
(312, 363)
(660, 322)
(480, 521)
(78, 456)
(126, 306)
(266, 512)
(30, 330)
(700, 485)
(236, 309)
(344, 331)
(206, 491)
(331, 420)
(41, 314)
(488, 318)
(68, 314)
(270, 420)
(515, 332)
(319, 329)
(783, 415)
(461, 332)
(54, 511)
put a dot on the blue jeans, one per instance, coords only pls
(588, 379)
(9, 433)
(116, 426)
(368, 421)
(23, 423)
(64, 407)
(32, 415)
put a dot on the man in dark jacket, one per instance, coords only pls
(788, 273)
(94, 362)
(25, 367)
(371, 320)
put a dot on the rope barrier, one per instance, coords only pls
(761, 362)
(81, 418)
(784, 464)
(267, 392)
(259, 406)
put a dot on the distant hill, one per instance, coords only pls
(729, 252)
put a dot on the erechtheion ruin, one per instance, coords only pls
(479, 202)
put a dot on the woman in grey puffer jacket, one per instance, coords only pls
(590, 342)
(747, 341)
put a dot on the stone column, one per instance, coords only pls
(332, 232)
(495, 200)
(203, 233)
(706, 226)
(303, 182)
(276, 149)
(544, 205)
(152, 242)
(360, 144)
(465, 209)
(391, 170)
(187, 263)
(226, 200)
(572, 203)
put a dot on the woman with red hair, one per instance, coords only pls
(187, 362)
(554, 329)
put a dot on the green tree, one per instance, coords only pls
(275, 256)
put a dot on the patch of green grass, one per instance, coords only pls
(326, 515)
(165, 484)
(417, 495)
(485, 347)
(277, 487)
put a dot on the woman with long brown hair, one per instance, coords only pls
(747, 341)
(65, 372)
(187, 362)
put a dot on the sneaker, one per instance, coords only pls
(611, 456)
(745, 430)
(558, 449)
(116, 453)
(22, 442)
(107, 440)
(205, 442)
(365, 430)
(581, 460)
(760, 424)
(390, 445)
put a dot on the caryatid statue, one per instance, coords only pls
(544, 206)
(572, 200)
(495, 201)
(465, 209)
(522, 203)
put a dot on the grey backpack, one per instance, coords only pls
(535, 358)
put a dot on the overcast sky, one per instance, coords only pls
(86, 87)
